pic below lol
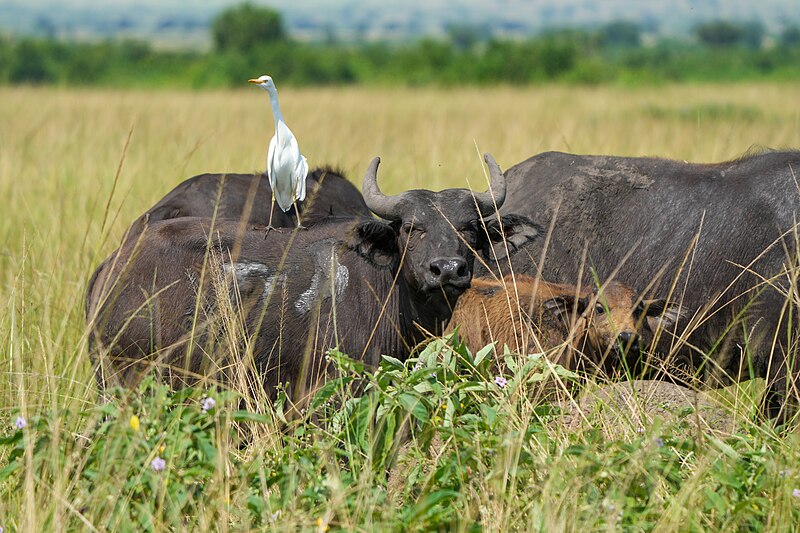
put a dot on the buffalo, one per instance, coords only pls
(578, 326)
(196, 297)
(248, 196)
(719, 239)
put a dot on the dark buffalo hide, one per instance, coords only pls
(720, 238)
(231, 196)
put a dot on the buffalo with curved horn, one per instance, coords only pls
(721, 238)
(367, 286)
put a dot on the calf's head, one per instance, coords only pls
(615, 317)
(437, 233)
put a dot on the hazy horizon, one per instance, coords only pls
(183, 21)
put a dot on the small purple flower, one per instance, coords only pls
(500, 381)
(659, 442)
(419, 364)
(208, 404)
(640, 430)
(20, 423)
(796, 493)
(158, 464)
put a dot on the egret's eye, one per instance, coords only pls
(599, 309)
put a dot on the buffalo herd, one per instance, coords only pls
(646, 261)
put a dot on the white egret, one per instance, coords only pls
(286, 166)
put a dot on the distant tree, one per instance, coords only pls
(29, 63)
(720, 33)
(246, 26)
(45, 27)
(790, 36)
(465, 36)
(621, 33)
(329, 35)
(753, 36)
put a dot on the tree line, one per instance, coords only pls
(250, 39)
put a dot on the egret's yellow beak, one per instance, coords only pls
(253, 80)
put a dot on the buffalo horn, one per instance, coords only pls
(380, 204)
(492, 199)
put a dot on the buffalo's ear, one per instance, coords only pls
(509, 233)
(563, 306)
(375, 241)
(661, 314)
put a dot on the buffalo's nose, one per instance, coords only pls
(452, 270)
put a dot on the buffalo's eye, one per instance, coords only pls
(410, 227)
(469, 233)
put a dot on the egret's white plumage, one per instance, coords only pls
(286, 166)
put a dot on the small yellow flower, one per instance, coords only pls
(134, 422)
(321, 525)
(161, 449)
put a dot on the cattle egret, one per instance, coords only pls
(286, 166)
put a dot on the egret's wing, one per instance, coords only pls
(270, 159)
(299, 165)
(300, 173)
(284, 163)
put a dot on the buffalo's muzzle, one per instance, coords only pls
(450, 271)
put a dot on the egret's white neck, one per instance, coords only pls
(273, 99)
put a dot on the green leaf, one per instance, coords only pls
(9, 469)
(327, 391)
(426, 504)
(716, 501)
(256, 505)
(247, 416)
(415, 406)
(727, 449)
(12, 438)
(208, 449)
(489, 414)
(392, 362)
(483, 352)
(449, 411)
(423, 387)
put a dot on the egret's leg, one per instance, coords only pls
(297, 214)
(271, 211)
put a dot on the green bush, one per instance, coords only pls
(565, 56)
(443, 441)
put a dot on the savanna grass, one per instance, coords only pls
(77, 166)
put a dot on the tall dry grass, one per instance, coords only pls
(77, 166)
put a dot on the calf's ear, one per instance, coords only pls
(661, 314)
(564, 305)
(375, 241)
(506, 235)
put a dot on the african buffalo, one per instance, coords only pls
(718, 238)
(531, 315)
(230, 196)
(197, 300)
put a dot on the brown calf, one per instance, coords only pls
(536, 316)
